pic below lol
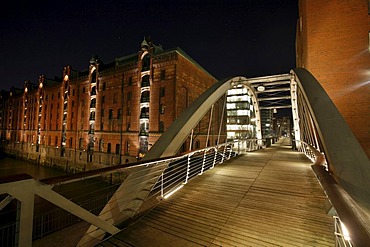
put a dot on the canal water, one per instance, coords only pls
(91, 194)
(10, 166)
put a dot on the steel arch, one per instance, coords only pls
(171, 140)
(347, 162)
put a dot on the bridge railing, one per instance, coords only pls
(44, 206)
(340, 163)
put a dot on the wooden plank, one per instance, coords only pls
(265, 198)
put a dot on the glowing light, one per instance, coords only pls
(173, 191)
(345, 232)
(260, 88)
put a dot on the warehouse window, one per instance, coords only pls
(162, 91)
(109, 147)
(163, 74)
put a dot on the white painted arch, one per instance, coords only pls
(170, 142)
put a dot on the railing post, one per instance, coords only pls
(162, 185)
(204, 161)
(26, 219)
(214, 159)
(191, 140)
(231, 148)
(187, 170)
(223, 154)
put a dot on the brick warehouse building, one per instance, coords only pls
(109, 114)
(333, 44)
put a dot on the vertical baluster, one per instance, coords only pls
(187, 170)
(162, 184)
(204, 161)
(214, 159)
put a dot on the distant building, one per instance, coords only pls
(267, 122)
(241, 120)
(333, 44)
(109, 114)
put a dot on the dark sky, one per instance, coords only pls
(228, 38)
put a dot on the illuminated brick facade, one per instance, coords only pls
(109, 114)
(333, 44)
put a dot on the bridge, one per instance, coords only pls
(233, 193)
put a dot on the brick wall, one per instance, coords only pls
(333, 44)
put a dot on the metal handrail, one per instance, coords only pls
(173, 171)
(313, 154)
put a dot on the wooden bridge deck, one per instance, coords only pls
(270, 197)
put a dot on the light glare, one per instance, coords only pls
(172, 192)
(345, 232)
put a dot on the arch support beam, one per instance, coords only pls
(170, 142)
(347, 161)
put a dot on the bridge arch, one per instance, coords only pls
(347, 162)
(171, 140)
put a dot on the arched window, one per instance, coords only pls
(146, 63)
(92, 115)
(145, 81)
(144, 112)
(101, 143)
(93, 77)
(145, 97)
(161, 126)
(197, 144)
(110, 114)
(117, 148)
(127, 147)
(93, 90)
(93, 103)
(109, 147)
(80, 144)
(92, 128)
(119, 113)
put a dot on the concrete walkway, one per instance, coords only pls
(270, 197)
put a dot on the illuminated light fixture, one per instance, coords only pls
(275, 110)
(345, 232)
(173, 191)
(260, 88)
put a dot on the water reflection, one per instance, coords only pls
(10, 166)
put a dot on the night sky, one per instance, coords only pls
(227, 38)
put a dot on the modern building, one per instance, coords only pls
(109, 114)
(333, 42)
(241, 122)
